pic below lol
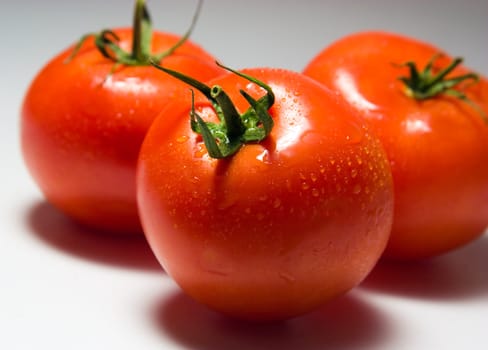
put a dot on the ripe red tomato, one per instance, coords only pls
(437, 144)
(83, 121)
(284, 224)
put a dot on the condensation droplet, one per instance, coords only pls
(182, 139)
(315, 192)
(356, 189)
(313, 177)
(287, 277)
(305, 186)
(276, 203)
(200, 151)
(354, 173)
(264, 157)
(355, 134)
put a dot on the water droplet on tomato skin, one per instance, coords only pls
(200, 151)
(287, 277)
(312, 138)
(356, 189)
(276, 203)
(182, 139)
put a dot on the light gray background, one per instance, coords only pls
(64, 288)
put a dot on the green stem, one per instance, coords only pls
(427, 84)
(234, 130)
(141, 31)
(107, 42)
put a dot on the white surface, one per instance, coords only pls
(63, 287)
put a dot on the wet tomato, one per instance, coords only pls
(87, 111)
(430, 114)
(269, 227)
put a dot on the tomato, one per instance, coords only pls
(436, 140)
(84, 117)
(281, 225)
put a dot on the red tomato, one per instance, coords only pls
(82, 127)
(284, 224)
(437, 146)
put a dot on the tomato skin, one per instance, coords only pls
(280, 227)
(81, 128)
(438, 148)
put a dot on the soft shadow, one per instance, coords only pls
(56, 230)
(345, 323)
(458, 275)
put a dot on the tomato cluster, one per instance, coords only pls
(263, 192)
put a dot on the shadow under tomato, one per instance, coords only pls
(345, 323)
(457, 275)
(56, 230)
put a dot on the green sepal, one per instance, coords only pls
(426, 84)
(225, 138)
(106, 40)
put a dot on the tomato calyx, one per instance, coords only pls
(225, 138)
(107, 41)
(426, 84)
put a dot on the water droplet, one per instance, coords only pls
(356, 189)
(315, 192)
(276, 203)
(313, 177)
(211, 262)
(305, 186)
(200, 151)
(354, 134)
(312, 138)
(247, 210)
(264, 157)
(354, 173)
(287, 277)
(182, 139)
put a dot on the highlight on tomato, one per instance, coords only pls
(87, 111)
(430, 113)
(263, 196)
